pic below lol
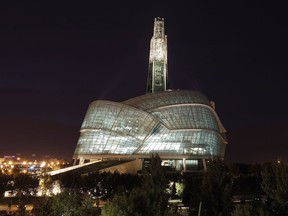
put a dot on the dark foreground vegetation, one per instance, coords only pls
(235, 190)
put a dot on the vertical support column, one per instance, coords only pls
(184, 164)
(74, 161)
(204, 164)
(81, 161)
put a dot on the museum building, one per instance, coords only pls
(181, 126)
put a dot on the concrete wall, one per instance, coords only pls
(130, 167)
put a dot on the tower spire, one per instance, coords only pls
(157, 72)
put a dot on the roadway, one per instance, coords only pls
(13, 208)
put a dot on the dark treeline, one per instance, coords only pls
(226, 190)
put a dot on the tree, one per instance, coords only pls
(216, 190)
(247, 185)
(191, 195)
(136, 203)
(241, 210)
(86, 208)
(45, 183)
(42, 206)
(114, 182)
(68, 203)
(4, 179)
(249, 210)
(25, 182)
(155, 183)
(149, 199)
(275, 185)
(71, 180)
(117, 206)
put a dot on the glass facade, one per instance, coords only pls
(178, 125)
(174, 124)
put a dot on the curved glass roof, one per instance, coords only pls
(151, 101)
(173, 124)
(119, 118)
(187, 117)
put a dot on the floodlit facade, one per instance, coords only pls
(181, 126)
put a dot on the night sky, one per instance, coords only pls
(55, 59)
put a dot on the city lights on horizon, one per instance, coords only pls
(9, 164)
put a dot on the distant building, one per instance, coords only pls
(181, 126)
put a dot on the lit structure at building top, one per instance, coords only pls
(157, 72)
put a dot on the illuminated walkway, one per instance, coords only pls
(66, 169)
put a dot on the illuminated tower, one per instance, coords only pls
(157, 72)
